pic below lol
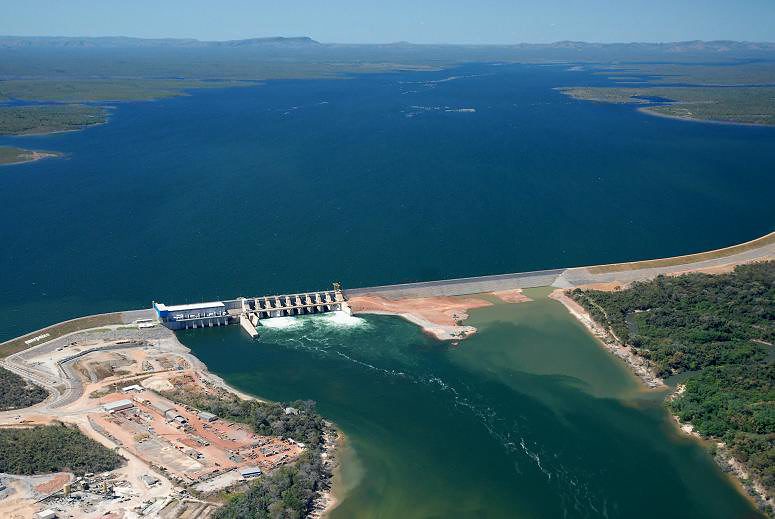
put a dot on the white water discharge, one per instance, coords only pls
(342, 319)
(280, 322)
(337, 319)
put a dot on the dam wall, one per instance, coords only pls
(231, 311)
(462, 286)
(248, 311)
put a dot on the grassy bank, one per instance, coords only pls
(58, 330)
(689, 258)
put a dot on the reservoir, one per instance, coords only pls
(386, 178)
(528, 418)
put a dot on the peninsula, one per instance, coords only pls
(11, 155)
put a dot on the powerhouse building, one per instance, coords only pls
(197, 315)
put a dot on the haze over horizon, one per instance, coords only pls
(435, 21)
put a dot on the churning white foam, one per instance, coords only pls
(342, 319)
(280, 322)
(337, 319)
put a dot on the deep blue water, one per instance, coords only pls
(294, 184)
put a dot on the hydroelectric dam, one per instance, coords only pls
(248, 311)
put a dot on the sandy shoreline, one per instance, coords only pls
(439, 316)
(33, 156)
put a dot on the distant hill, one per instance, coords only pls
(671, 47)
(685, 47)
(126, 42)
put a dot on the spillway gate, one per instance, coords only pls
(248, 311)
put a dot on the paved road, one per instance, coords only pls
(561, 278)
(462, 286)
(65, 386)
(583, 276)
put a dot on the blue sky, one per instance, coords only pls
(419, 21)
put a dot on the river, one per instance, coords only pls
(528, 418)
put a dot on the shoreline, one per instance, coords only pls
(326, 500)
(751, 488)
(439, 316)
(33, 156)
(735, 470)
(638, 365)
(71, 395)
(645, 110)
(72, 130)
(450, 310)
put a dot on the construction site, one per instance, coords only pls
(109, 382)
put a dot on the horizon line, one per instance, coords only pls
(395, 42)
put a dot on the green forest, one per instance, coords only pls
(38, 119)
(16, 393)
(53, 448)
(289, 491)
(718, 328)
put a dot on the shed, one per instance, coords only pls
(46, 514)
(207, 417)
(250, 472)
(162, 407)
(149, 480)
(118, 405)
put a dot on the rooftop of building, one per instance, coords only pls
(195, 306)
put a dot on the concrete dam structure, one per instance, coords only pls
(248, 311)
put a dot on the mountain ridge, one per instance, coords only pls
(720, 46)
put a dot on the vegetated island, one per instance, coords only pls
(81, 70)
(10, 155)
(718, 330)
(741, 105)
(67, 111)
(42, 119)
(735, 91)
